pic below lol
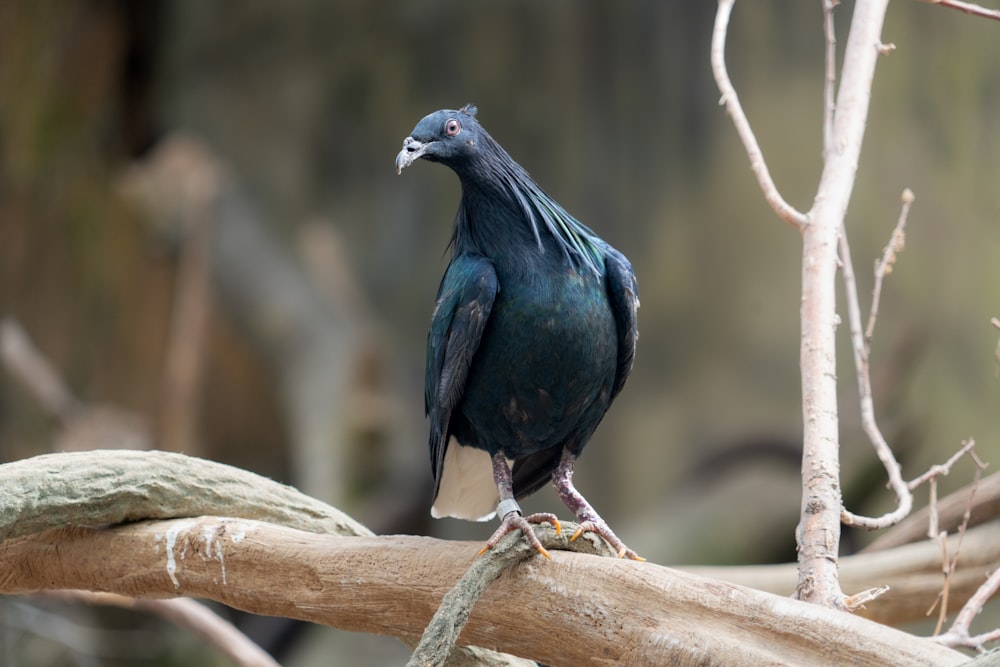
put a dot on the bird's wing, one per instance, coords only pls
(464, 301)
(623, 296)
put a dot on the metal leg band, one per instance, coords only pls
(505, 507)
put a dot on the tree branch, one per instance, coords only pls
(391, 585)
(563, 612)
(958, 635)
(911, 571)
(731, 101)
(950, 512)
(108, 487)
(904, 498)
(968, 8)
(114, 486)
(830, 74)
(819, 528)
(186, 613)
(861, 345)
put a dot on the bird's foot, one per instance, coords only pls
(514, 521)
(600, 527)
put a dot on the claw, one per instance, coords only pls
(605, 532)
(514, 521)
(550, 519)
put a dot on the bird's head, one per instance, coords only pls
(447, 136)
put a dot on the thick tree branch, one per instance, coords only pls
(107, 487)
(563, 612)
(912, 572)
(442, 632)
(392, 585)
(114, 486)
(950, 513)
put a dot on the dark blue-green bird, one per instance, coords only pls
(532, 337)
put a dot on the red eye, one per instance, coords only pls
(452, 127)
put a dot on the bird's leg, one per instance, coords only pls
(510, 512)
(590, 520)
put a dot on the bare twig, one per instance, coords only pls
(858, 600)
(942, 470)
(942, 540)
(883, 267)
(830, 80)
(861, 345)
(958, 635)
(968, 8)
(731, 101)
(949, 565)
(186, 613)
(948, 512)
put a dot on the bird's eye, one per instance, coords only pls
(452, 127)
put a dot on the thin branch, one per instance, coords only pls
(186, 613)
(968, 8)
(911, 571)
(950, 565)
(958, 635)
(861, 346)
(731, 101)
(904, 498)
(859, 600)
(830, 80)
(883, 267)
(950, 513)
(942, 470)
(942, 540)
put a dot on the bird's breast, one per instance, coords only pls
(546, 363)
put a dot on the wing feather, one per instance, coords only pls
(623, 297)
(465, 299)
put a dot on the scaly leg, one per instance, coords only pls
(590, 520)
(510, 512)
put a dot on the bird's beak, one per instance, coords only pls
(412, 149)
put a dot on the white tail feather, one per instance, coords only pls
(467, 490)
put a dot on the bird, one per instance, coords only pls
(533, 335)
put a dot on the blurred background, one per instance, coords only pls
(204, 247)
